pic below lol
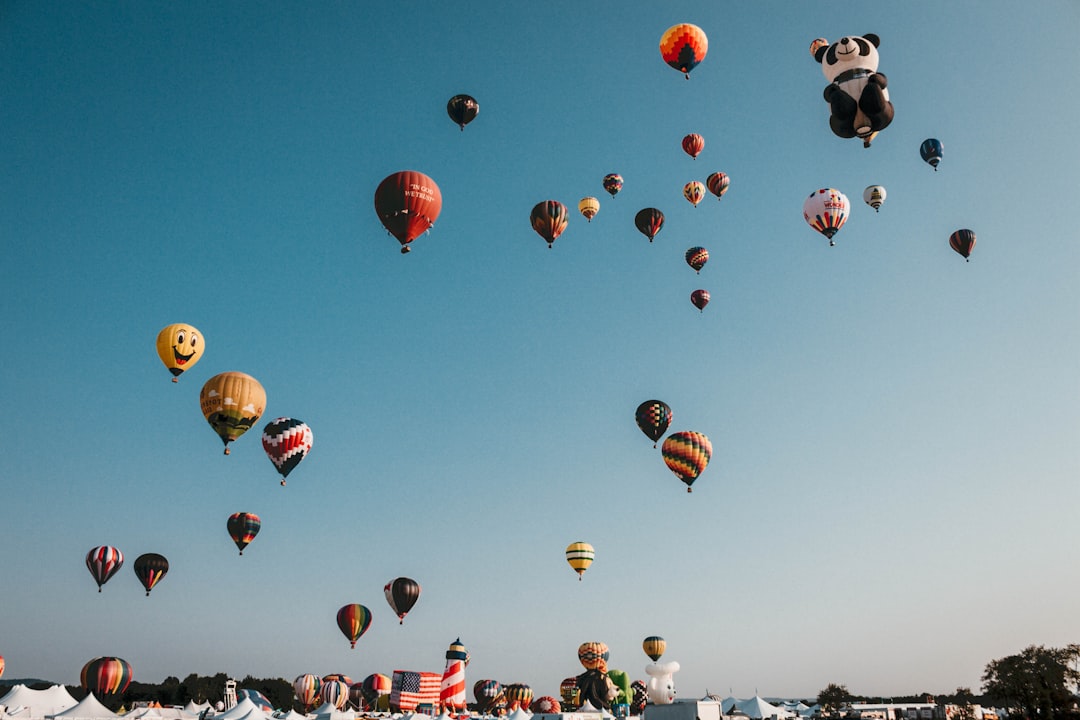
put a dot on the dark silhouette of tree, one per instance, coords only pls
(1039, 681)
(833, 698)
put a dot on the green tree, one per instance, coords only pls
(964, 701)
(833, 698)
(1038, 682)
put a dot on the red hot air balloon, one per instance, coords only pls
(106, 676)
(700, 298)
(649, 221)
(408, 203)
(286, 442)
(243, 527)
(963, 242)
(402, 593)
(549, 219)
(103, 562)
(693, 144)
(150, 568)
(687, 454)
(683, 46)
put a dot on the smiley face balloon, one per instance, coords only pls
(179, 346)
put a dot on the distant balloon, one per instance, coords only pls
(232, 402)
(519, 695)
(408, 203)
(306, 688)
(654, 646)
(546, 705)
(963, 242)
(593, 655)
(103, 562)
(649, 221)
(334, 692)
(826, 210)
(375, 686)
(150, 568)
(549, 219)
(718, 184)
(568, 691)
(243, 527)
(462, 109)
(683, 46)
(696, 257)
(700, 298)
(931, 152)
(1, 666)
(402, 593)
(653, 417)
(588, 207)
(286, 441)
(874, 196)
(613, 184)
(694, 191)
(687, 454)
(693, 144)
(580, 555)
(486, 691)
(106, 676)
(179, 346)
(816, 45)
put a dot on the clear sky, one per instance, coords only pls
(892, 499)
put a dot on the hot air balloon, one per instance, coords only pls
(817, 44)
(696, 257)
(931, 151)
(693, 144)
(334, 692)
(826, 210)
(640, 697)
(613, 184)
(718, 184)
(106, 676)
(243, 527)
(519, 695)
(546, 705)
(700, 298)
(857, 93)
(568, 691)
(179, 346)
(374, 687)
(103, 562)
(683, 46)
(694, 191)
(654, 646)
(150, 568)
(649, 221)
(580, 555)
(232, 402)
(408, 203)
(286, 441)
(588, 207)
(306, 688)
(402, 593)
(549, 219)
(687, 454)
(653, 417)
(1, 666)
(485, 692)
(462, 109)
(593, 655)
(963, 242)
(874, 196)
(256, 698)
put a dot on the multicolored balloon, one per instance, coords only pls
(931, 151)
(653, 417)
(568, 691)
(306, 688)
(700, 298)
(654, 646)
(1, 666)
(462, 109)
(402, 593)
(874, 196)
(243, 527)
(718, 184)
(649, 221)
(580, 555)
(337, 676)
(232, 402)
(286, 441)
(963, 242)
(640, 698)
(103, 562)
(683, 46)
(334, 692)
(687, 454)
(150, 568)
(589, 206)
(693, 144)
(549, 219)
(593, 655)
(485, 692)
(179, 346)
(546, 705)
(826, 210)
(613, 183)
(519, 695)
(353, 620)
(696, 257)
(408, 203)
(106, 676)
(375, 686)
(694, 192)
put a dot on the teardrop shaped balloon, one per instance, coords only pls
(485, 691)
(462, 109)
(103, 562)
(179, 346)
(687, 454)
(700, 298)
(931, 152)
(696, 257)
(150, 568)
(549, 219)
(106, 676)
(408, 203)
(683, 46)
(243, 527)
(826, 210)
(694, 192)
(232, 402)
(589, 206)
(613, 183)
(519, 695)
(653, 417)
(593, 655)
(306, 688)
(353, 620)
(963, 242)
(286, 441)
(580, 555)
(649, 221)
(874, 196)
(693, 144)
(718, 184)
(334, 693)
(402, 593)
(654, 646)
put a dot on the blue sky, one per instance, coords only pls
(891, 501)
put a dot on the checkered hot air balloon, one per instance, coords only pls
(687, 454)
(683, 46)
(653, 417)
(696, 257)
(613, 183)
(593, 655)
(103, 562)
(580, 555)
(286, 441)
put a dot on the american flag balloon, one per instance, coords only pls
(286, 441)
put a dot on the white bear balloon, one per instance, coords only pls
(857, 93)
(662, 682)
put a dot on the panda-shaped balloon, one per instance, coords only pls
(857, 93)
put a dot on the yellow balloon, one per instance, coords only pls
(179, 346)
(588, 207)
(580, 556)
(232, 402)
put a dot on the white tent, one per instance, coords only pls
(327, 711)
(194, 708)
(291, 715)
(241, 710)
(756, 707)
(89, 708)
(161, 713)
(22, 702)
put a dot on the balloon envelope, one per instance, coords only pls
(653, 417)
(874, 196)
(931, 152)
(103, 562)
(826, 210)
(150, 568)
(718, 184)
(589, 206)
(353, 620)
(687, 454)
(963, 242)
(306, 688)
(549, 219)
(700, 298)
(649, 221)
(232, 402)
(106, 676)
(683, 46)
(462, 109)
(402, 593)
(613, 183)
(593, 655)
(243, 527)
(580, 555)
(654, 646)
(286, 442)
(694, 191)
(334, 692)
(408, 203)
(696, 257)
(179, 346)
(693, 144)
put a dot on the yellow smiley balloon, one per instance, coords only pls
(179, 346)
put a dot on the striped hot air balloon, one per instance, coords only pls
(654, 646)
(693, 144)
(549, 219)
(353, 620)
(963, 242)
(306, 688)
(718, 184)
(150, 568)
(649, 221)
(334, 692)
(518, 695)
(243, 527)
(687, 454)
(286, 441)
(580, 555)
(588, 206)
(486, 691)
(106, 676)
(103, 562)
